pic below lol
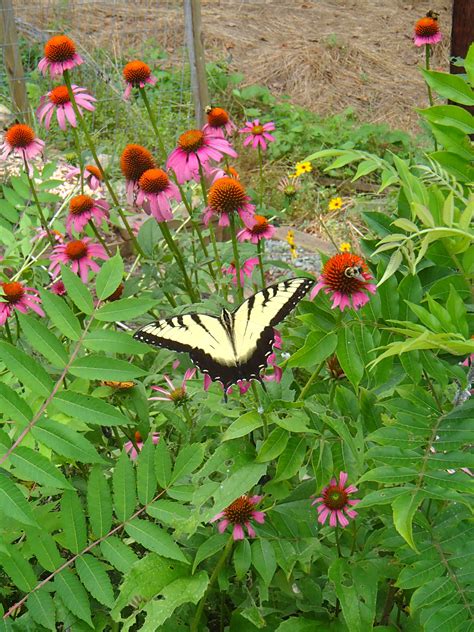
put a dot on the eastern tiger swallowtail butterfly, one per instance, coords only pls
(235, 345)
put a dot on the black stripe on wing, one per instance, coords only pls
(163, 341)
(272, 291)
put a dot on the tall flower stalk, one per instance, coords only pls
(90, 142)
(151, 116)
(233, 234)
(44, 223)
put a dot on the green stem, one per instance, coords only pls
(151, 116)
(310, 381)
(90, 142)
(260, 253)
(43, 221)
(430, 93)
(165, 231)
(260, 168)
(79, 156)
(99, 237)
(197, 617)
(9, 333)
(235, 249)
(260, 408)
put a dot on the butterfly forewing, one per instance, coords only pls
(234, 346)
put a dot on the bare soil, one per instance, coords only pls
(326, 55)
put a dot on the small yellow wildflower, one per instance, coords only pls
(303, 167)
(290, 238)
(335, 204)
(345, 247)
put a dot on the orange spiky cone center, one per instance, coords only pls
(426, 27)
(154, 181)
(59, 48)
(134, 161)
(13, 292)
(80, 204)
(76, 249)
(136, 72)
(240, 511)
(217, 117)
(19, 136)
(59, 95)
(191, 141)
(339, 271)
(226, 195)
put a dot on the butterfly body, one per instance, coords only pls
(235, 345)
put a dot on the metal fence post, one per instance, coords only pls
(12, 60)
(194, 41)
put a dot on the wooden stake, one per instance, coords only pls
(462, 36)
(194, 41)
(12, 59)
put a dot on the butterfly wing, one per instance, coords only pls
(202, 336)
(254, 320)
(236, 345)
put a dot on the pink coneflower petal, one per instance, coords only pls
(335, 502)
(240, 514)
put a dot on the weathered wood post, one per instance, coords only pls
(12, 61)
(462, 30)
(194, 41)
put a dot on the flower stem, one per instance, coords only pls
(44, 223)
(260, 408)
(430, 93)
(260, 168)
(197, 617)
(235, 248)
(90, 142)
(260, 253)
(8, 332)
(79, 156)
(152, 118)
(165, 231)
(310, 381)
(99, 237)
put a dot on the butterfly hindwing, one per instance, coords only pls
(236, 345)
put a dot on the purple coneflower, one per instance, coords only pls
(83, 209)
(92, 176)
(238, 515)
(258, 228)
(21, 140)
(137, 74)
(335, 502)
(17, 296)
(156, 188)
(130, 448)
(258, 135)
(57, 100)
(79, 254)
(218, 120)
(175, 394)
(59, 55)
(226, 197)
(427, 31)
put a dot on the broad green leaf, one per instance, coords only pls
(117, 553)
(33, 466)
(93, 576)
(240, 482)
(124, 309)
(419, 573)
(109, 277)
(291, 459)
(73, 522)
(163, 464)
(99, 503)
(273, 446)
(89, 409)
(44, 547)
(242, 558)
(364, 168)
(65, 441)
(263, 559)
(348, 356)
(450, 116)
(431, 592)
(469, 64)
(13, 503)
(61, 315)
(41, 608)
(97, 367)
(356, 587)
(184, 590)
(17, 568)
(77, 291)
(146, 578)
(451, 87)
(393, 265)
(146, 476)
(404, 508)
(169, 512)
(297, 624)
(154, 538)
(215, 544)
(27, 370)
(123, 482)
(243, 426)
(188, 459)
(116, 341)
(387, 474)
(42, 340)
(14, 407)
(317, 347)
(73, 594)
